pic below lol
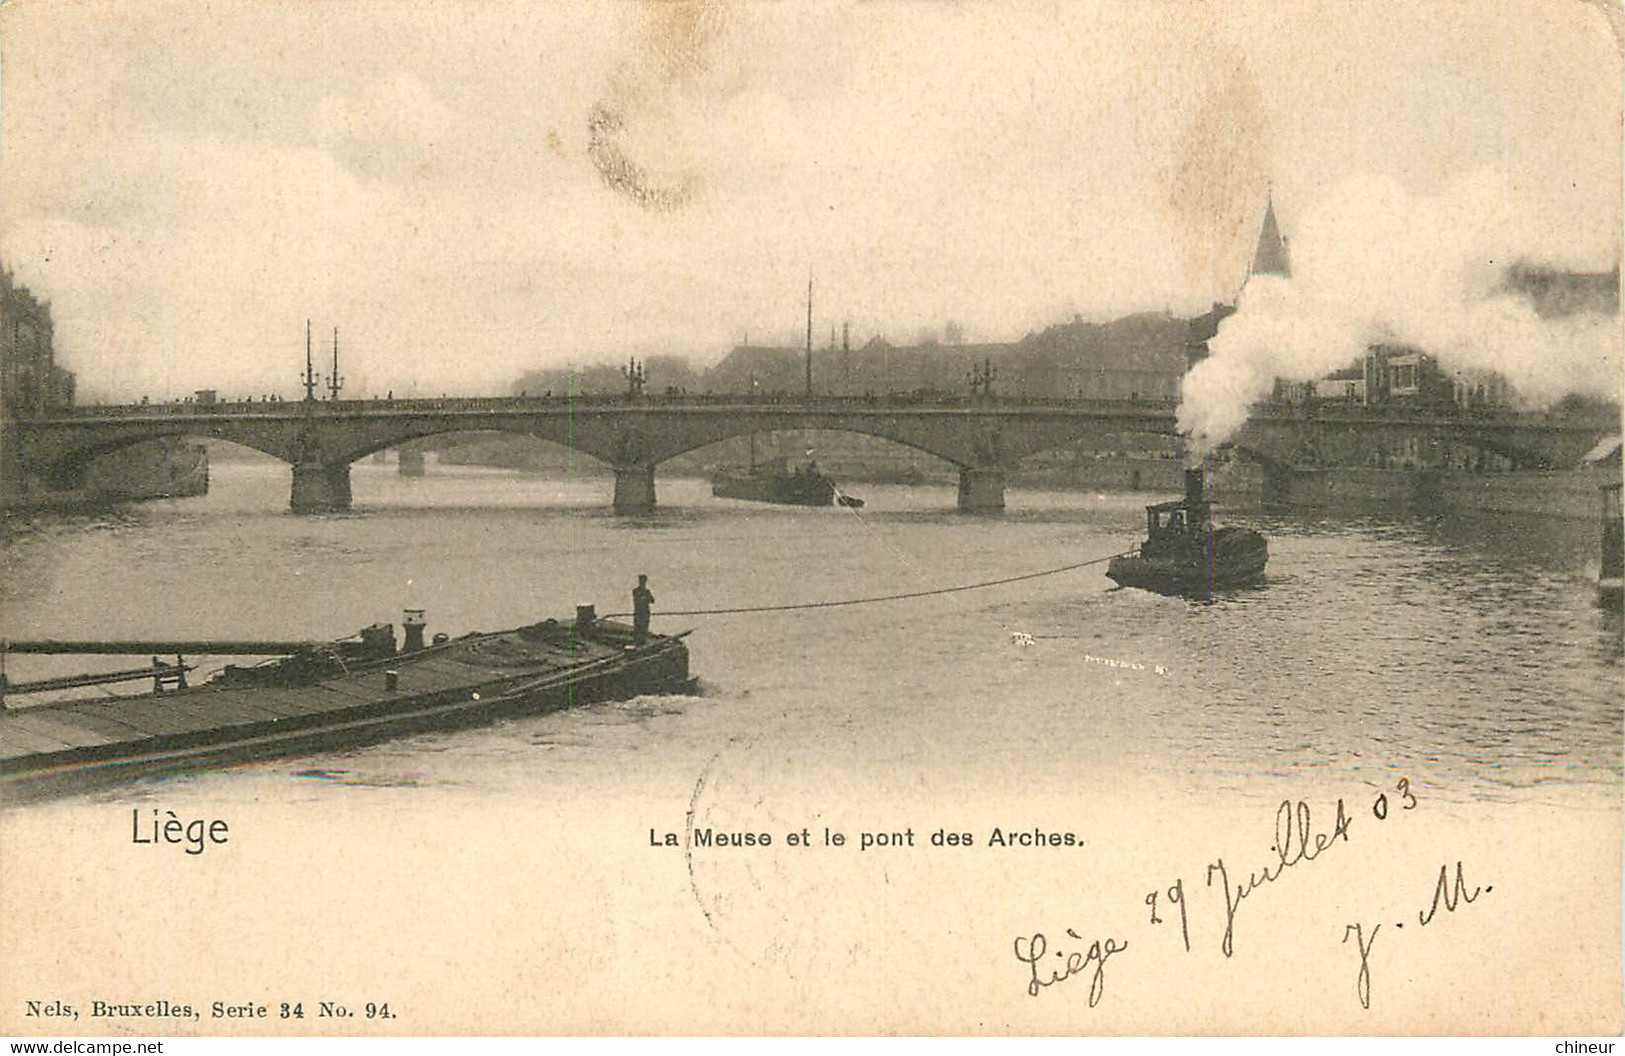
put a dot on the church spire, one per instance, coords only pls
(1271, 257)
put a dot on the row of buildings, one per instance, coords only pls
(31, 382)
(1139, 357)
(34, 385)
(1142, 357)
(1398, 375)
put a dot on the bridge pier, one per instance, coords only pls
(634, 489)
(320, 487)
(1277, 483)
(981, 490)
(412, 463)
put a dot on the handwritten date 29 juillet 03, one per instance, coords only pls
(1299, 842)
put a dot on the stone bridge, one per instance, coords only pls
(985, 438)
(320, 439)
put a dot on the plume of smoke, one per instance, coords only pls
(1376, 264)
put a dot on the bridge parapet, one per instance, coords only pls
(985, 438)
(780, 403)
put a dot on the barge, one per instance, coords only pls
(319, 696)
(776, 482)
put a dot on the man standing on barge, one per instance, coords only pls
(642, 600)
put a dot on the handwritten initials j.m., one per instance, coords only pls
(1364, 983)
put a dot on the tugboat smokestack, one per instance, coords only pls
(1195, 486)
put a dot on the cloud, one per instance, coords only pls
(1376, 263)
(395, 125)
(426, 177)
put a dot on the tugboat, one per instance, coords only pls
(1184, 554)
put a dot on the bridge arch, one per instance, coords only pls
(68, 470)
(913, 444)
(375, 445)
(635, 440)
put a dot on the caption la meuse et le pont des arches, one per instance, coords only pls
(863, 840)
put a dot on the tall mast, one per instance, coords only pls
(809, 335)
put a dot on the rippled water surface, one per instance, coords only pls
(1469, 653)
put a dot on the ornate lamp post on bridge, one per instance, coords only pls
(321, 482)
(310, 369)
(981, 379)
(334, 381)
(635, 376)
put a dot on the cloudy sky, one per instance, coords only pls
(473, 189)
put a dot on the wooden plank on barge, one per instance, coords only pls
(336, 703)
(434, 676)
(166, 716)
(130, 712)
(234, 706)
(16, 742)
(133, 713)
(273, 702)
(524, 662)
(102, 719)
(439, 677)
(362, 689)
(191, 713)
(65, 734)
(86, 733)
(298, 702)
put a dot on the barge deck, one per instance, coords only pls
(321, 699)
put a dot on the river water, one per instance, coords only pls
(1448, 689)
(1466, 653)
